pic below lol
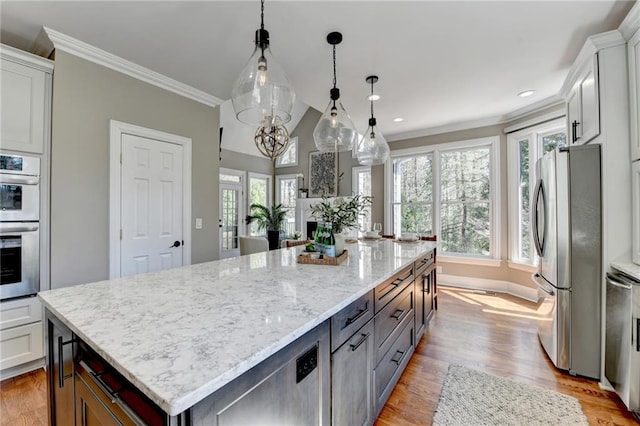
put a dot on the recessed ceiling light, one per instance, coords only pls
(398, 119)
(526, 93)
(373, 97)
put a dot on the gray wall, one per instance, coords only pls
(249, 163)
(304, 132)
(85, 97)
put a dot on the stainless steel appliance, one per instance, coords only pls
(19, 226)
(19, 188)
(567, 236)
(19, 259)
(622, 341)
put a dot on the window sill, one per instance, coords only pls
(478, 261)
(522, 266)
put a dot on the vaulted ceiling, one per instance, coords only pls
(439, 63)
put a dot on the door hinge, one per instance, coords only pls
(121, 235)
(120, 158)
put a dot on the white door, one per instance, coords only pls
(151, 205)
(231, 216)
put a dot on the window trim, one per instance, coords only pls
(292, 141)
(493, 142)
(532, 134)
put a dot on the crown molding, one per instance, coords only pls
(593, 45)
(631, 22)
(98, 56)
(25, 58)
(481, 122)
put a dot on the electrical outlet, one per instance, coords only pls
(198, 223)
(306, 364)
(439, 269)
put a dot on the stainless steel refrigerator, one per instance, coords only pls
(566, 226)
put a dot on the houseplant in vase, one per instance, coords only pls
(270, 219)
(342, 212)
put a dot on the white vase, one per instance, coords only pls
(339, 237)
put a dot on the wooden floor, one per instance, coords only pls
(494, 334)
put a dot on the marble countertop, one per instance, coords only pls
(181, 334)
(628, 268)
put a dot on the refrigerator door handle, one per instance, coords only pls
(536, 235)
(542, 285)
(617, 282)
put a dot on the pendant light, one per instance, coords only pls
(372, 149)
(272, 140)
(262, 94)
(335, 132)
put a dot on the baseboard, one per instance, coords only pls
(8, 373)
(472, 283)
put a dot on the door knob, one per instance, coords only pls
(175, 244)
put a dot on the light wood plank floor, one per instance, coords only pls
(494, 334)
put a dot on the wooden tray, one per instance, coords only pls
(302, 258)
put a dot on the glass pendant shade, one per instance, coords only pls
(262, 91)
(335, 130)
(372, 149)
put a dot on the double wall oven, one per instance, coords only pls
(19, 226)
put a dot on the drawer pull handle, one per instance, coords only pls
(61, 376)
(357, 316)
(399, 360)
(361, 341)
(397, 314)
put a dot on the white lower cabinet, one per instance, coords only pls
(635, 209)
(21, 336)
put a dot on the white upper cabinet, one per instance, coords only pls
(633, 53)
(26, 100)
(583, 110)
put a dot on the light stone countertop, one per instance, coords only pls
(628, 268)
(181, 334)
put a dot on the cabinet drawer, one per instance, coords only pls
(19, 312)
(424, 262)
(21, 344)
(350, 319)
(387, 323)
(385, 292)
(393, 362)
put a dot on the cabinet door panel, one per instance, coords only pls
(59, 372)
(635, 210)
(89, 410)
(590, 104)
(351, 380)
(633, 47)
(23, 107)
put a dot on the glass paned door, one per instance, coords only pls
(230, 219)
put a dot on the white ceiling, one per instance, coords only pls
(440, 63)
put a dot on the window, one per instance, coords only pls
(287, 195)
(524, 148)
(361, 184)
(451, 191)
(290, 156)
(259, 193)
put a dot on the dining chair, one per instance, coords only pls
(249, 245)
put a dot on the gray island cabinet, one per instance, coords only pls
(255, 340)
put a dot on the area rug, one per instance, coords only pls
(470, 397)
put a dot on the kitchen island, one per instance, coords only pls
(180, 335)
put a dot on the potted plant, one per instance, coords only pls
(342, 212)
(270, 219)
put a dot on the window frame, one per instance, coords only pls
(493, 143)
(294, 163)
(279, 179)
(355, 181)
(534, 134)
(255, 175)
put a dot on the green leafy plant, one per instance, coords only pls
(342, 212)
(270, 219)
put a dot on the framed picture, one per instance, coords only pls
(290, 156)
(323, 174)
